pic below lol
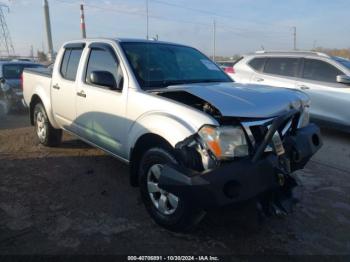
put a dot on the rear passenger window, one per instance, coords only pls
(320, 71)
(257, 63)
(65, 62)
(282, 66)
(70, 63)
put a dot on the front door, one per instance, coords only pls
(100, 109)
(329, 99)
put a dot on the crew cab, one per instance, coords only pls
(193, 138)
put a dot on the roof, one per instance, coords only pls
(123, 40)
(289, 53)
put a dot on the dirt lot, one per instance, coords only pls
(76, 200)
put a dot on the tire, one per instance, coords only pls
(46, 134)
(179, 218)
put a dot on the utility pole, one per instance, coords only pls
(295, 37)
(48, 30)
(31, 54)
(147, 18)
(82, 21)
(214, 40)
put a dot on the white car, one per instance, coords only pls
(324, 78)
(194, 140)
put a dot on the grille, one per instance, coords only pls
(257, 130)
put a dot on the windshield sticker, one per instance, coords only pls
(210, 65)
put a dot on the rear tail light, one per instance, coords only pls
(230, 70)
(21, 81)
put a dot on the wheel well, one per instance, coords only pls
(144, 143)
(35, 100)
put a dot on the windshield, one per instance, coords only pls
(14, 71)
(158, 65)
(345, 62)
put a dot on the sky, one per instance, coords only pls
(241, 25)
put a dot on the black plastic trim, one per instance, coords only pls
(75, 46)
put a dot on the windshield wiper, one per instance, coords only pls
(166, 83)
(209, 80)
(182, 82)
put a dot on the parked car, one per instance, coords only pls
(194, 140)
(10, 82)
(227, 66)
(324, 78)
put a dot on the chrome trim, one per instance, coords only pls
(304, 113)
(248, 125)
(286, 127)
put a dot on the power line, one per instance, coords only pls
(204, 11)
(237, 31)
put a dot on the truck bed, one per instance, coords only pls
(37, 81)
(39, 71)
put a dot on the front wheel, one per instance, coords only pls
(167, 209)
(46, 133)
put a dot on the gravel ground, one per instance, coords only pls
(75, 199)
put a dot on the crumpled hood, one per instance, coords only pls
(246, 100)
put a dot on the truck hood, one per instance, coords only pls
(244, 100)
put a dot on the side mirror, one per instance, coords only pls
(344, 79)
(2, 80)
(103, 78)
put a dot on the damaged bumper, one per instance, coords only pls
(243, 179)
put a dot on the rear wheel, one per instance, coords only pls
(167, 209)
(46, 134)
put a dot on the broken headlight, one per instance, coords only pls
(225, 142)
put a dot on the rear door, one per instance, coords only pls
(329, 99)
(64, 82)
(100, 110)
(278, 71)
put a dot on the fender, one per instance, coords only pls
(170, 127)
(42, 93)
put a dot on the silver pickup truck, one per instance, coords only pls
(194, 139)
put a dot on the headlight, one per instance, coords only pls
(305, 117)
(225, 142)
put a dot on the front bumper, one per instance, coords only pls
(244, 179)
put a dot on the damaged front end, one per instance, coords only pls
(259, 164)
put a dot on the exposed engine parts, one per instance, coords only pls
(194, 155)
(192, 100)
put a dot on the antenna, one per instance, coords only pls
(5, 38)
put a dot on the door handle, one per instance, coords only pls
(302, 87)
(81, 93)
(259, 79)
(56, 86)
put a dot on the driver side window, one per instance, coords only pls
(103, 60)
